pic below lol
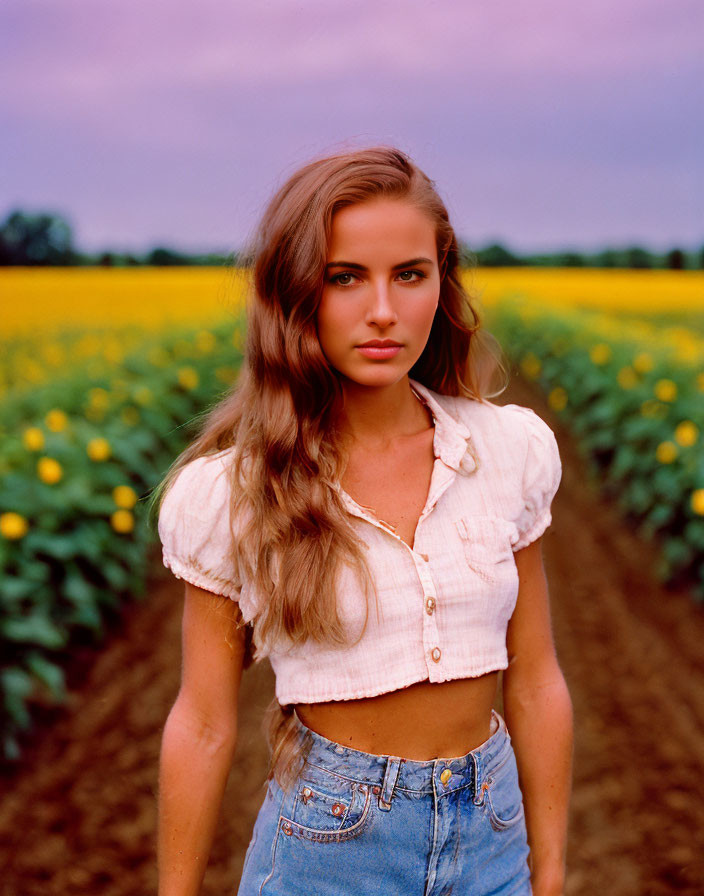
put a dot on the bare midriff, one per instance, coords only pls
(426, 720)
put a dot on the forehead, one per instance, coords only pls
(382, 224)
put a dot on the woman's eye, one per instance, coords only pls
(337, 279)
(407, 279)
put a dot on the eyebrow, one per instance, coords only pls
(361, 267)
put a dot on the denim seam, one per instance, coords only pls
(273, 846)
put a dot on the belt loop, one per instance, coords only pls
(393, 766)
(477, 799)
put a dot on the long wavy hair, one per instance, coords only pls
(282, 416)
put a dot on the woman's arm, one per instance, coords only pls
(538, 714)
(199, 740)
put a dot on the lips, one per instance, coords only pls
(380, 343)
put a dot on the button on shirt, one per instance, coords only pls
(443, 605)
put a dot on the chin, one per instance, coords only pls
(384, 375)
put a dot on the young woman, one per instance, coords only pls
(358, 512)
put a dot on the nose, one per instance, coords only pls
(381, 310)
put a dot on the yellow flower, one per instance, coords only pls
(188, 377)
(124, 496)
(651, 407)
(54, 355)
(49, 470)
(205, 342)
(666, 452)
(557, 398)
(238, 340)
(643, 362)
(13, 526)
(666, 390)
(698, 501)
(33, 438)
(113, 351)
(226, 375)
(99, 398)
(98, 449)
(600, 353)
(56, 420)
(130, 416)
(122, 521)
(530, 365)
(143, 395)
(686, 433)
(627, 378)
(158, 356)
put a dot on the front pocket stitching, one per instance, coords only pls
(501, 824)
(330, 836)
(348, 801)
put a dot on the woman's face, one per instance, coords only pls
(382, 283)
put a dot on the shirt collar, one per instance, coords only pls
(452, 441)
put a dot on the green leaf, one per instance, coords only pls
(34, 629)
(16, 686)
(77, 590)
(14, 589)
(61, 547)
(47, 672)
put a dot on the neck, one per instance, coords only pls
(376, 417)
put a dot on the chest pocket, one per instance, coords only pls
(486, 544)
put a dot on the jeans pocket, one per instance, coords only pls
(502, 794)
(326, 807)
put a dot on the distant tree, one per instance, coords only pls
(496, 255)
(162, 256)
(107, 259)
(700, 258)
(36, 239)
(675, 259)
(571, 260)
(609, 258)
(636, 257)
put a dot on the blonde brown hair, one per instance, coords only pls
(282, 416)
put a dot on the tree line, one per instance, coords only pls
(46, 239)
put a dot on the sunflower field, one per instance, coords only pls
(105, 373)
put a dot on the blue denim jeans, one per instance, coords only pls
(359, 823)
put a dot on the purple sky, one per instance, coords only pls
(544, 124)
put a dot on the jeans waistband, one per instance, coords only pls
(386, 773)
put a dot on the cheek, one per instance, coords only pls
(332, 324)
(425, 315)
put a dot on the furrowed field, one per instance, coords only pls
(104, 375)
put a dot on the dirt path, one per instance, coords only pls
(78, 815)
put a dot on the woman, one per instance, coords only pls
(376, 524)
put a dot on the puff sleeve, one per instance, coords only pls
(194, 527)
(542, 473)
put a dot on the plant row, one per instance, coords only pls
(79, 457)
(634, 400)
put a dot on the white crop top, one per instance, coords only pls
(445, 604)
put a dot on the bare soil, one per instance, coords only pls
(77, 814)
